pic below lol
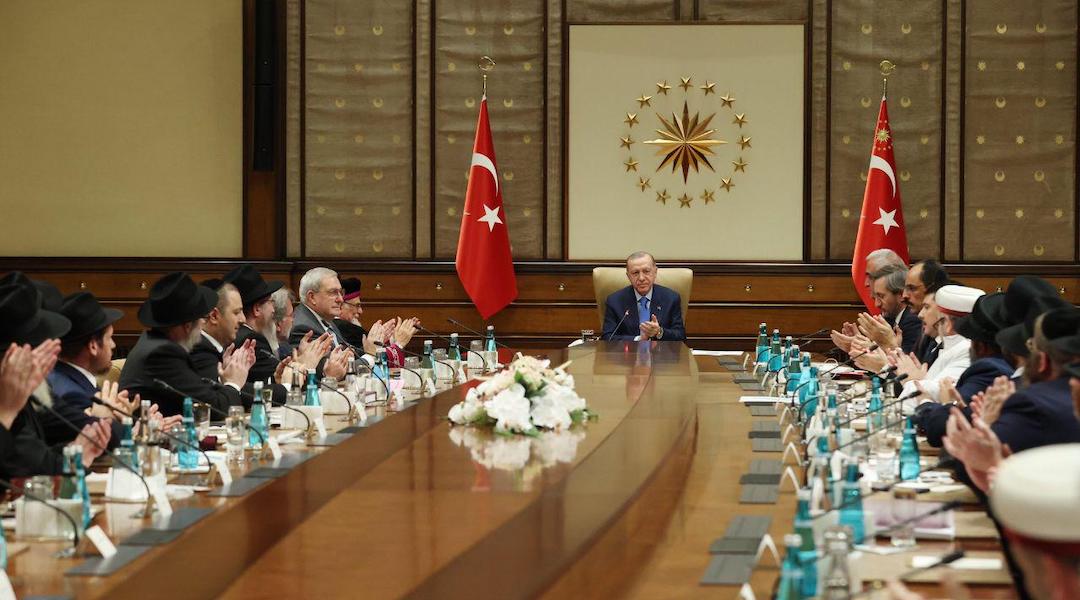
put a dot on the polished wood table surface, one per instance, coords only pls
(624, 506)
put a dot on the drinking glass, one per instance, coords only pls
(904, 507)
(411, 373)
(234, 431)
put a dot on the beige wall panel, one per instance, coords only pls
(121, 124)
(909, 34)
(513, 34)
(612, 211)
(1020, 131)
(597, 11)
(753, 10)
(359, 129)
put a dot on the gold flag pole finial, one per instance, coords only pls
(887, 67)
(486, 65)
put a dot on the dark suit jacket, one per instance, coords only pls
(30, 454)
(911, 327)
(666, 305)
(157, 357)
(206, 359)
(353, 333)
(932, 417)
(1038, 415)
(926, 347)
(304, 320)
(71, 397)
(265, 363)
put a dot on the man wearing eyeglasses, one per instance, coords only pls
(924, 277)
(348, 321)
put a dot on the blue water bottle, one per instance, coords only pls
(909, 453)
(187, 455)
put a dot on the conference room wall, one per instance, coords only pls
(121, 127)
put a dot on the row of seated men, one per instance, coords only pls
(209, 341)
(989, 375)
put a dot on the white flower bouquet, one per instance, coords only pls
(524, 398)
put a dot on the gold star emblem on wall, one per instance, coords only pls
(625, 142)
(631, 119)
(631, 165)
(685, 85)
(644, 100)
(662, 87)
(662, 197)
(726, 184)
(739, 164)
(684, 201)
(740, 119)
(728, 100)
(643, 182)
(708, 88)
(708, 196)
(744, 142)
(686, 142)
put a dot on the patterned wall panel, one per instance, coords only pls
(513, 34)
(358, 136)
(595, 11)
(1019, 131)
(753, 11)
(911, 35)
(292, 128)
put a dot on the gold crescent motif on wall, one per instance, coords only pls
(470, 102)
(905, 175)
(866, 28)
(905, 101)
(1058, 213)
(339, 174)
(527, 66)
(865, 102)
(358, 211)
(862, 176)
(377, 30)
(470, 30)
(1020, 66)
(339, 30)
(981, 65)
(1038, 249)
(320, 210)
(526, 139)
(450, 139)
(450, 212)
(1060, 65)
(924, 139)
(1019, 213)
(377, 174)
(845, 213)
(1001, 28)
(980, 213)
(1039, 176)
(526, 212)
(508, 175)
(358, 138)
(358, 67)
(1040, 27)
(395, 211)
(339, 102)
(1059, 139)
(339, 246)
(999, 250)
(508, 102)
(508, 29)
(923, 213)
(377, 246)
(905, 28)
(1000, 102)
(396, 66)
(1040, 101)
(377, 102)
(846, 65)
(999, 176)
(845, 139)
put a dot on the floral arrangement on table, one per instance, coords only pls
(524, 398)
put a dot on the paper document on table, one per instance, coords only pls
(968, 563)
(758, 399)
(696, 352)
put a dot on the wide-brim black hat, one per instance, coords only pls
(176, 299)
(49, 297)
(22, 321)
(87, 315)
(1022, 291)
(980, 325)
(1061, 328)
(251, 285)
(1013, 339)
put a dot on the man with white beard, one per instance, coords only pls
(174, 314)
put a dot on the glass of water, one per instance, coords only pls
(201, 412)
(885, 456)
(476, 356)
(904, 507)
(234, 431)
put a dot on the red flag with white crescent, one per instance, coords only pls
(881, 223)
(484, 262)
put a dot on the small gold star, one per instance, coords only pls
(685, 85)
(631, 164)
(708, 88)
(631, 119)
(728, 100)
(708, 196)
(643, 100)
(726, 184)
(744, 142)
(740, 119)
(662, 197)
(643, 182)
(684, 201)
(662, 87)
(625, 142)
(740, 165)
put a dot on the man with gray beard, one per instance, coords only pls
(174, 314)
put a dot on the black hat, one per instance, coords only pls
(1013, 339)
(980, 325)
(1073, 369)
(350, 288)
(1061, 328)
(213, 283)
(176, 299)
(23, 322)
(87, 316)
(49, 297)
(1021, 292)
(251, 285)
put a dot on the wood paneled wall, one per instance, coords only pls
(556, 300)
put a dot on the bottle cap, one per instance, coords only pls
(793, 539)
(804, 494)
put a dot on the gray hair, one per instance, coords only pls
(640, 254)
(883, 257)
(895, 276)
(311, 280)
(282, 299)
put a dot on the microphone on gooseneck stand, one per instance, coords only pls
(213, 409)
(411, 353)
(446, 339)
(880, 490)
(881, 408)
(74, 527)
(78, 432)
(218, 384)
(626, 313)
(847, 362)
(475, 332)
(809, 335)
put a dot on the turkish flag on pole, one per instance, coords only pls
(881, 224)
(484, 263)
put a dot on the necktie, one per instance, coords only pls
(643, 309)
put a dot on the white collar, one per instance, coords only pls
(87, 374)
(217, 346)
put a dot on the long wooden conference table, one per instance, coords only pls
(409, 506)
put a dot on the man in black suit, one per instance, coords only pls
(321, 297)
(219, 331)
(284, 304)
(348, 321)
(643, 310)
(257, 324)
(1027, 296)
(924, 277)
(898, 325)
(175, 313)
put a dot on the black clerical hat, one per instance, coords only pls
(213, 283)
(980, 324)
(1022, 291)
(87, 316)
(1013, 339)
(49, 297)
(176, 299)
(251, 285)
(350, 288)
(1061, 328)
(22, 321)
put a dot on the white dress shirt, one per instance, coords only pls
(953, 359)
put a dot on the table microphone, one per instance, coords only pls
(476, 333)
(74, 527)
(447, 340)
(218, 384)
(903, 398)
(212, 408)
(847, 362)
(626, 313)
(880, 490)
(411, 353)
(78, 432)
(809, 336)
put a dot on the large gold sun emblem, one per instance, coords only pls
(688, 142)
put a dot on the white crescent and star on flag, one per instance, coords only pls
(491, 215)
(887, 219)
